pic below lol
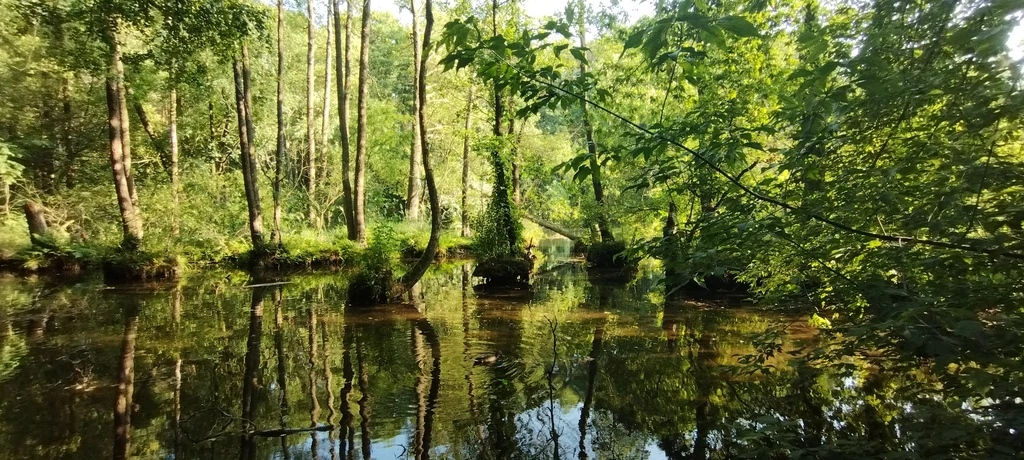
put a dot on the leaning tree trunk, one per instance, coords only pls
(465, 164)
(243, 97)
(360, 173)
(344, 70)
(415, 190)
(310, 131)
(275, 235)
(417, 270)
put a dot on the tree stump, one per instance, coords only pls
(37, 229)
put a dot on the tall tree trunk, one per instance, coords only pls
(344, 69)
(310, 119)
(275, 235)
(500, 200)
(122, 102)
(360, 173)
(415, 190)
(130, 220)
(125, 382)
(465, 163)
(243, 97)
(131, 223)
(514, 156)
(325, 135)
(172, 130)
(588, 128)
(417, 270)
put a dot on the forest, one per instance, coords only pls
(848, 168)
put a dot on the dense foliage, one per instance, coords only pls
(859, 161)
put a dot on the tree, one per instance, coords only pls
(344, 77)
(465, 163)
(413, 196)
(310, 118)
(364, 95)
(416, 271)
(325, 133)
(279, 155)
(246, 139)
(130, 219)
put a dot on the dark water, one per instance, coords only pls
(211, 369)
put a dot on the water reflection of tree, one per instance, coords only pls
(126, 383)
(250, 377)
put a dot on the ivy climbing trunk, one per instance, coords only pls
(343, 72)
(310, 119)
(415, 189)
(364, 96)
(275, 235)
(501, 205)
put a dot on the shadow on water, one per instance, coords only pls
(582, 368)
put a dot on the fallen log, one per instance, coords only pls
(554, 227)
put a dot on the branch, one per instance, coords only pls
(767, 199)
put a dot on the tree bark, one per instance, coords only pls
(131, 223)
(501, 199)
(595, 165)
(70, 156)
(343, 72)
(243, 98)
(37, 228)
(175, 177)
(417, 270)
(275, 235)
(465, 163)
(325, 135)
(310, 130)
(122, 101)
(415, 190)
(360, 173)
(514, 157)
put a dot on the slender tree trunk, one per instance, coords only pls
(125, 382)
(465, 163)
(175, 177)
(360, 173)
(325, 132)
(131, 223)
(595, 165)
(344, 69)
(310, 119)
(37, 228)
(417, 270)
(415, 190)
(243, 98)
(275, 235)
(514, 156)
(69, 151)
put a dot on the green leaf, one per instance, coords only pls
(579, 55)
(738, 26)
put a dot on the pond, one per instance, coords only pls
(580, 367)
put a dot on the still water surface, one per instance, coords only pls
(581, 368)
